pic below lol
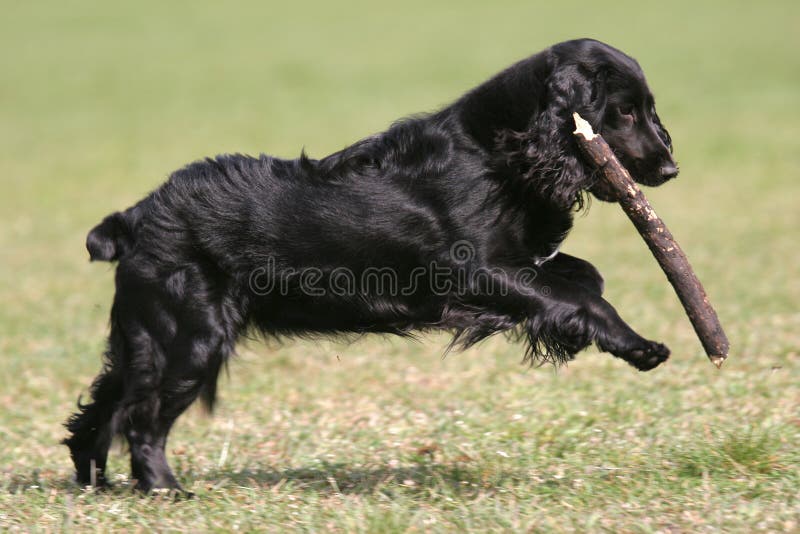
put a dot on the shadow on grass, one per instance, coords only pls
(746, 454)
(323, 478)
(37, 481)
(460, 479)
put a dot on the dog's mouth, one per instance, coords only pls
(653, 175)
(655, 180)
(603, 191)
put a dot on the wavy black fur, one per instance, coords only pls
(484, 189)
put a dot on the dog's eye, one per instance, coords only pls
(626, 110)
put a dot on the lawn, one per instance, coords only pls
(100, 101)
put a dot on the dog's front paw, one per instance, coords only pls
(649, 356)
(637, 351)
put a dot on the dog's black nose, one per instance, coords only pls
(668, 171)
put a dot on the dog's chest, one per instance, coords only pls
(545, 231)
(553, 250)
(527, 244)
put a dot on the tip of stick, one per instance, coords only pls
(717, 360)
(582, 127)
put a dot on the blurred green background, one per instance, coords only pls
(99, 102)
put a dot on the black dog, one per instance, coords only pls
(451, 220)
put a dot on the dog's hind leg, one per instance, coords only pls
(193, 361)
(91, 430)
(169, 339)
(92, 427)
(184, 366)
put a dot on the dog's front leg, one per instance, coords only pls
(576, 270)
(564, 316)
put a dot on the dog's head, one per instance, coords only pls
(608, 88)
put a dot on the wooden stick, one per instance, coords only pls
(660, 241)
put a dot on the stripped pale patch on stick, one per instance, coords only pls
(583, 127)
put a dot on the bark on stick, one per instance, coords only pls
(660, 241)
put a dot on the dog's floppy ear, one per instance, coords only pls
(546, 155)
(577, 88)
(599, 94)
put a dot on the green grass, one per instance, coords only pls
(99, 102)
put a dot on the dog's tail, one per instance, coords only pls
(114, 236)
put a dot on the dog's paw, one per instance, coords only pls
(637, 351)
(649, 356)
